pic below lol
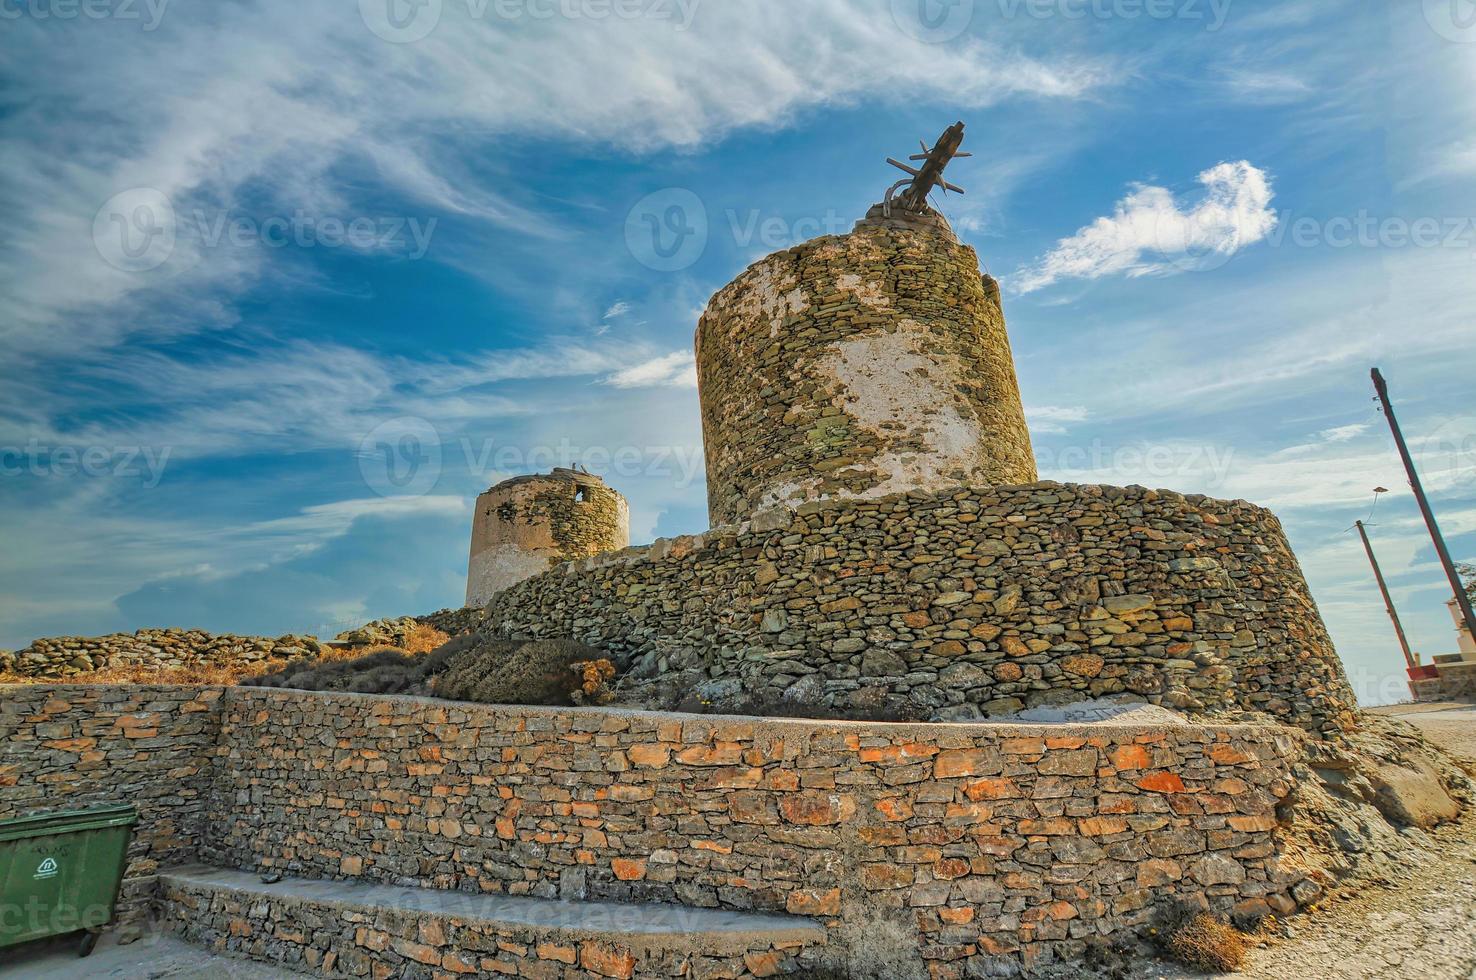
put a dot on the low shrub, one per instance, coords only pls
(380, 672)
(545, 672)
(470, 667)
(762, 707)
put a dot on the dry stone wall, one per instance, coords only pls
(67, 747)
(1455, 681)
(454, 622)
(969, 848)
(858, 365)
(995, 598)
(925, 849)
(68, 656)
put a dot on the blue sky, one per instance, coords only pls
(286, 285)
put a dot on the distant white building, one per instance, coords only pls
(1467, 644)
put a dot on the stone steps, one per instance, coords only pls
(351, 929)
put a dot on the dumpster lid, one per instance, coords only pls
(69, 821)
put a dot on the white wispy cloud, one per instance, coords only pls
(619, 308)
(1344, 433)
(1452, 161)
(1054, 418)
(302, 395)
(277, 102)
(675, 370)
(1264, 86)
(1152, 233)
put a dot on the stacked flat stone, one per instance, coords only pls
(71, 747)
(858, 365)
(453, 622)
(997, 598)
(967, 846)
(68, 656)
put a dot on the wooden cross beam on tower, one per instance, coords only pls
(923, 179)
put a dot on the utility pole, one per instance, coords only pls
(1388, 602)
(1382, 388)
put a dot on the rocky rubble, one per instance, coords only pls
(394, 632)
(1365, 806)
(381, 632)
(168, 648)
(175, 648)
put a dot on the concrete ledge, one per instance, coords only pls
(594, 719)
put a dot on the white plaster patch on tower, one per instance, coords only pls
(867, 292)
(861, 247)
(892, 384)
(767, 296)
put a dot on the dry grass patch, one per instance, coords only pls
(1205, 943)
(424, 639)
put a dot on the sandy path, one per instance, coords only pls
(1421, 926)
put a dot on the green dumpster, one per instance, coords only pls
(60, 872)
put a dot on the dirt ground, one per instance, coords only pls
(151, 958)
(1419, 926)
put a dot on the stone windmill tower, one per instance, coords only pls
(528, 524)
(861, 365)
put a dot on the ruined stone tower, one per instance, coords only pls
(880, 536)
(525, 525)
(858, 366)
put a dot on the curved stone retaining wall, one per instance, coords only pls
(965, 846)
(1001, 598)
(968, 848)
